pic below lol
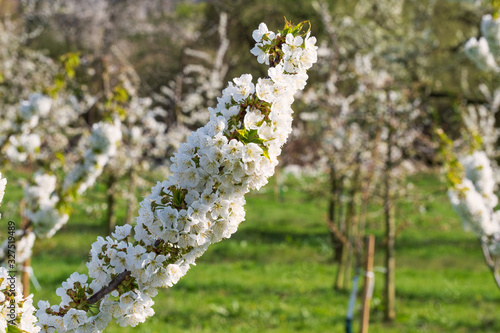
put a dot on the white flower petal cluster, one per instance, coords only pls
(479, 52)
(200, 203)
(41, 196)
(145, 137)
(15, 310)
(470, 206)
(41, 202)
(22, 146)
(297, 56)
(490, 29)
(102, 144)
(474, 199)
(3, 184)
(263, 37)
(479, 171)
(485, 52)
(24, 246)
(37, 105)
(23, 143)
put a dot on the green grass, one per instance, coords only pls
(275, 273)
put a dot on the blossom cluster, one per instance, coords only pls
(144, 137)
(42, 197)
(22, 143)
(485, 51)
(15, 310)
(41, 200)
(199, 204)
(45, 201)
(3, 184)
(480, 121)
(474, 199)
(102, 145)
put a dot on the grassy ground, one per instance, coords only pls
(275, 273)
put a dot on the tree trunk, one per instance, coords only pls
(390, 261)
(111, 201)
(344, 221)
(352, 224)
(366, 183)
(341, 271)
(335, 216)
(390, 231)
(332, 207)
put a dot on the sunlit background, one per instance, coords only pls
(391, 105)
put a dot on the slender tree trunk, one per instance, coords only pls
(337, 228)
(111, 201)
(390, 231)
(340, 283)
(131, 199)
(344, 225)
(352, 220)
(348, 252)
(332, 207)
(390, 261)
(365, 186)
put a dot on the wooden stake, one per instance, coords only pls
(26, 277)
(368, 288)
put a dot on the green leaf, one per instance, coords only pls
(120, 94)
(70, 61)
(253, 137)
(265, 152)
(13, 329)
(243, 134)
(61, 158)
(496, 8)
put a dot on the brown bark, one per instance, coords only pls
(390, 230)
(25, 280)
(332, 211)
(111, 201)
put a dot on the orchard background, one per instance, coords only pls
(391, 103)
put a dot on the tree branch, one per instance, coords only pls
(109, 288)
(493, 264)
